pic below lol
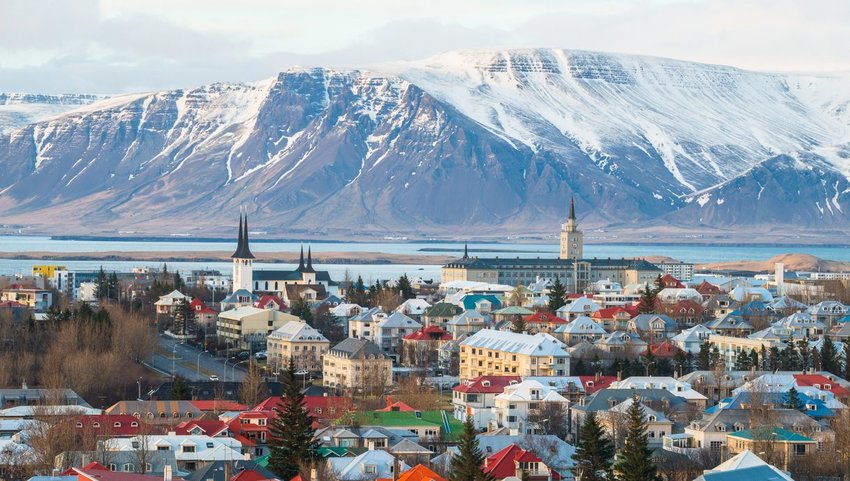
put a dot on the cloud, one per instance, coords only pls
(111, 46)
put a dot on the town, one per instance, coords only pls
(504, 369)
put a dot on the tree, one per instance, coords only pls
(180, 390)
(647, 300)
(829, 356)
(557, 295)
(184, 318)
(466, 464)
(773, 359)
(742, 361)
(550, 418)
(518, 325)
(793, 401)
(847, 360)
(594, 451)
(704, 356)
(788, 358)
(805, 354)
(101, 285)
(301, 309)
(404, 287)
(358, 295)
(291, 432)
(253, 389)
(633, 461)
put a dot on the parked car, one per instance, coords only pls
(213, 378)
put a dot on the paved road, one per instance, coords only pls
(192, 364)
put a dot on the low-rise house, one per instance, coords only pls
(542, 321)
(828, 312)
(270, 301)
(362, 325)
(205, 317)
(615, 422)
(480, 302)
(367, 466)
(491, 352)
(421, 348)
(476, 398)
(467, 323)
(167, 304)
(675, 408)
(299, 341)
(357, 364)
(413, 308)
(708, 290)
(420, 472)
(36, 299)
(581, 306)
(653, 327)
(802, 324)
(440, 314)
(514, 462)
(687, 312)
(691, 340)
(731, 347)
(514, 406)
(786, 446)
(191, 452)
(26, 396)
(744, 466)
(730, 325)
(389, 332)
(669, 384)
(582, 328)
(356, 438)
(435, 429)
(613, 318)
(157, 412)
(664, 350)
(622, 344)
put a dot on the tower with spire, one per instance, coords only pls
(243, 260)
(572, 239)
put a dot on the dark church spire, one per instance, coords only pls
(242, 249)
(572, 215)
(309, 260)
(301, 261)
(465, 250)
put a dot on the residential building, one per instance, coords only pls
(580, 329)
(476, 397)
(514, 462)
(36, 299)
(653, 327)
(157, 412)
(680, 270)
(744, 466)
(357, 364)
(248, 327)
(494, 353)
(690, 340)
(730, 347)
(517, 402)
(367, 466)
(191, 452)
(669, 384)
(440, 314)
(466, 323)
(786, 445)
(299, 341)
(167, 304)
(413, 308)
(615, 419)
(363, 324)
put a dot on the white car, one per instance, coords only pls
(213, 378)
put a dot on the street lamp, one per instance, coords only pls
(139, 382)
(174, 361)
(233, 369)
(199, 362)
(224, 378)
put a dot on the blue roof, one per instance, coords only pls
(819, 411)
(470, 300)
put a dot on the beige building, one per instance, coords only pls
(248, 327)
(730, 347)
(357, 364)
(297, 340)
(496, 353)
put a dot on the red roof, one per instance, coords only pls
(248, 475)
(416, 473)
(609, 312)
(110, 424)
(541, 317)
(593, 383)
(429, 333)
(487, 384)
(664, 350)
(12, 304)
(207, 427)
(92, 466)
(396, 406)
(579, 296)
(98, 474)
(322, 407)
(212, 405)
(707, 288)
(267, 298)
(503, 464)
(201, 308)
(670, 281)
(812, 379)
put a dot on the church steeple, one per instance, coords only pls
(465, 250)
(572, 240)
(572, 215)
(309, 267)
(301, 266)
(242, 249)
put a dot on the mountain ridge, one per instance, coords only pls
(487, 141)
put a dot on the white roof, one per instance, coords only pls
(206, 448)
(540, 344)
(671, 384)
(171, 298)
(298, 331)
(345, 310)
(671, 295)
(581, 325)
(397, 319)
(582, 304)
(413, 306)
(692, 334)
(742, 292)
(522, 392)
(746, 459)
(30, 411)
(624, 406)
(347, 468)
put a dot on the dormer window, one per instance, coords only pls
(79, 424)
(116, 425)
(134, 424)
(95, 424)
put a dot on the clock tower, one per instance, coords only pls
(572, 239)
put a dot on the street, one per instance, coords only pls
(192, 364)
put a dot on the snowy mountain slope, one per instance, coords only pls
(490, 141)
(19, 109)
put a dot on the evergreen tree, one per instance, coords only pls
(633, 461)
(358, 295)
(291, 431)
(649, 362)
(405, 290)
(659, 284)
(681, 361)
(180, 390)
(765, 362)
(742, 362)
(647, 300)
(817, 364)
(829, 356)
(716, 360)
(101, 285)
(466, 464)
(788, 358)
(518, 325)
(184, 318)
(178, 281)
(301, 309)
(792, 400)
(594, 451)
(774, 359)
(805, 354)
(847, 360)
(112, 289)
(704, 356)
(754, 359)
(557, 295)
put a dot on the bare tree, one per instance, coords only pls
(550, 418)
(253, 389)
(141, 444)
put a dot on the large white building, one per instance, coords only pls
(518, 401)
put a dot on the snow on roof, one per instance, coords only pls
(540, 344)
(297, 331)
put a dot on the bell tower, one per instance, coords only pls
(243, 260)
(572, 239)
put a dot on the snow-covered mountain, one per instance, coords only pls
(19, 109)
(493, 141)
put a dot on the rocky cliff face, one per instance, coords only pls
(463, 143)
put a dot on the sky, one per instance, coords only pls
(117, 46)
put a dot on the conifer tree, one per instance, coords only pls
(180, 390)
(774, 360)
(647, 300)
(358, 296)
(101, 286)
(847, 360)
(805, 353)
(518, 325)
(594, 451)
(557, 295)
(788, 358)
(754, 359)
(792, 400)
(633, 462)
(704, 356)
(291, 432)
(829, 356)
(405, 290)
(742, 362)
(301, 309)
(765, 362)
(466, 464)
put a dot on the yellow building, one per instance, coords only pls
(248, 327)
(357, 364)
(496, 353)
(297, 340)
(47, 271)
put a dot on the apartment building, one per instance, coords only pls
(496, 353)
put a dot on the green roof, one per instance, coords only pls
(397, 419)
(442, 309)
(262, 461)
(765, 433)
(513, 311)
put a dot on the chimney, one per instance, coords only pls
(395, 468)
(226, 471)
(619, 375)
(166, 473)
(389, 401)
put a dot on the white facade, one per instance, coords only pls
(513, 407)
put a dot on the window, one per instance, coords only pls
(370, 469)
(116, 425)
(129, 467)
(800, 449)
(188, 449)
(79, 424)
(135, 444)
(95, 424)
(112, 467)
